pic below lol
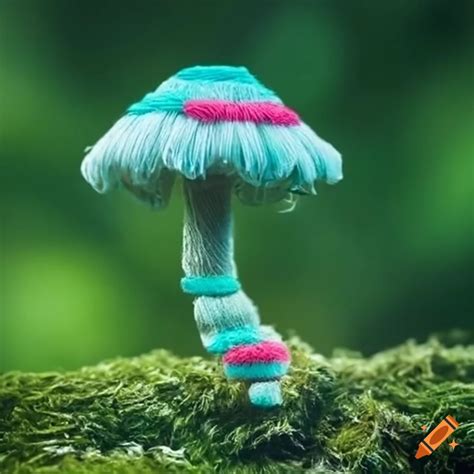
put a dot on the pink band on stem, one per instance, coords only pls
(227, 111)
(267, 351)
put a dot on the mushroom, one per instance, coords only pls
(223, 131)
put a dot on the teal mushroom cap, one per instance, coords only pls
(211, 120)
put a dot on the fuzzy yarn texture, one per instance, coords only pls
(256, 371)
(266, 351)
(256, 112)
(215, 285)
(208, 120)
(159, 413)
(266, 394)
(226, 339)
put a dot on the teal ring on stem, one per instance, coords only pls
(221, 342)
(216, 285)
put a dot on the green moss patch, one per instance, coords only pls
(161, 413)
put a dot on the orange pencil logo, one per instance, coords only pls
(437, 436)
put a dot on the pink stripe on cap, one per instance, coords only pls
(266, 351)
(227, 111)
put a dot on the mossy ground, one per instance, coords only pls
(161, 413)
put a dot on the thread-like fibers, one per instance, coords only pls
(265, 394)
(215, 285)
(238, 74)
(262, 352)
(228, 111)
(257, 372)
(231, 337)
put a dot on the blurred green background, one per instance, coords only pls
(384, 256)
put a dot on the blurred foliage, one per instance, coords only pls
(383, 256)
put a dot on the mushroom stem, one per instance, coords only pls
(208, 251)
(227, 320)
(207, 239)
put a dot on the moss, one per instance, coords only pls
(161, 413)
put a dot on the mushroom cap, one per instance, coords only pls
(208, 120)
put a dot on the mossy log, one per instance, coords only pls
(161, 413)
